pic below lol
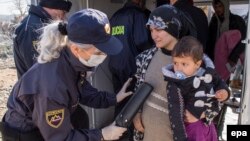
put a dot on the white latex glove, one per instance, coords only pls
(122, 94)
(112, 132)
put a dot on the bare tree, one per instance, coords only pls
(21, 7)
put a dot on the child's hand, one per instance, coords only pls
(138, 123)
(221, 95)
(188, 117)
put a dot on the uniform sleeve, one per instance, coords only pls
(24, 48)
(53, 121)
(91, 97)
(30, 43)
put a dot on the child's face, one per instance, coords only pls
(186, 65)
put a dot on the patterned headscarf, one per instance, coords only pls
(168, 18)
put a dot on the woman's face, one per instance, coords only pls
(162, 38)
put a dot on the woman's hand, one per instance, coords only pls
(122, 93)
(138, 123)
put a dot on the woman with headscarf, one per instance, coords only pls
(166, 26)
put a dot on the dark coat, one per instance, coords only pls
(47, 95)
(129, 26)
(26, 37)
(199, 19)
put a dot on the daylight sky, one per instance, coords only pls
(7, 7)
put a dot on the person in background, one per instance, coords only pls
(223, 47)
(26, 34)
(166, 26)
(128, 25)
(197, 15)
(223, 20)
(42, 101)
(194, 90)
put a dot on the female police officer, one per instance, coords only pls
(42, 101)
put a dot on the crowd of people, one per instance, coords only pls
(166, 48)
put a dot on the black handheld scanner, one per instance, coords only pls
(124, 118)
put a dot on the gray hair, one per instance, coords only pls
(51, 43)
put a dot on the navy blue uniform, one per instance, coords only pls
(129, 26)
(26, 36)
(46, 96)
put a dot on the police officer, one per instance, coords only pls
(27, 34)
(128, 25)
(42, 101)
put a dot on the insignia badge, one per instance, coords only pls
(107, 28)
(55, 118)
(35, 45)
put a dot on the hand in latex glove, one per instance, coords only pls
(122, 93)
(112, 132)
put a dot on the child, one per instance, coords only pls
(192, 82)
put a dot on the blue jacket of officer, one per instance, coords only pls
(48, 94)
(26, 36)
(129, 26)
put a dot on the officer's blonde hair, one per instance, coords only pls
(51, 43)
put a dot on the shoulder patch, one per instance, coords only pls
(55, 118)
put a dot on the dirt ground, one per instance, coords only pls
(8, 78)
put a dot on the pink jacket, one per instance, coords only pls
(223, 47)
